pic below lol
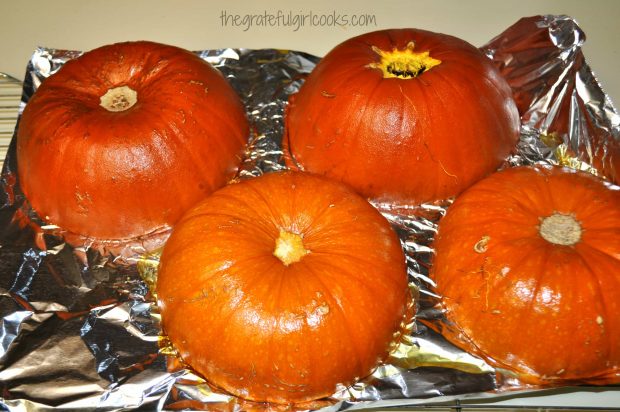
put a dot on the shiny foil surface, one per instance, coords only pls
(80, 328)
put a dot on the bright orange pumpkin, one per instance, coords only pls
(125, 138)
(279, 288)
(403, 116)
(528, 267)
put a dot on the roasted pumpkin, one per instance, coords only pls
(279, 288)
(528, 267)
(125, 138)
(405, 116)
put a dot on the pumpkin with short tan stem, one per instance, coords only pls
(528, 267)
(403, 116)
(124, 139)
(281, 287)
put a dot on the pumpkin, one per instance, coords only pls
(528, 267)
(124, 139)
(403, 116)
(281, 287)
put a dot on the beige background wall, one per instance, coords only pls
(193, 24)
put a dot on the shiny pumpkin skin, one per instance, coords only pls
(548, 312)
(120, 175)
(266, 331)
(402, 140)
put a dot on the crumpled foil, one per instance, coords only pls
(80, 328)
(566, 117)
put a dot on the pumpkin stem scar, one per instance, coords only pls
(560, 229)
(289, 248)
(118, 99)
(403, 64)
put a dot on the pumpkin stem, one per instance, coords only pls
(289, 248)
(560, 229)
(403, 64)
(118, 99)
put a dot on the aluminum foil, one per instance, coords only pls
(80, 329)
(566, 116)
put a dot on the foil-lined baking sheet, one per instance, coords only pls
(80, 328)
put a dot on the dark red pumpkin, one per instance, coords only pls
(528, 267)
(404, 116)
(279, 288)
(124, 139)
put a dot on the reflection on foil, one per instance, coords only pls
(566, 117)
(80, 329)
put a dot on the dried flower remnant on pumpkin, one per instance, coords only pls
(403, 64)
(482, 245)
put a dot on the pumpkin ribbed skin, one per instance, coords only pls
(548, 311)
(402, 140)
(123, 174)
(267, 331)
